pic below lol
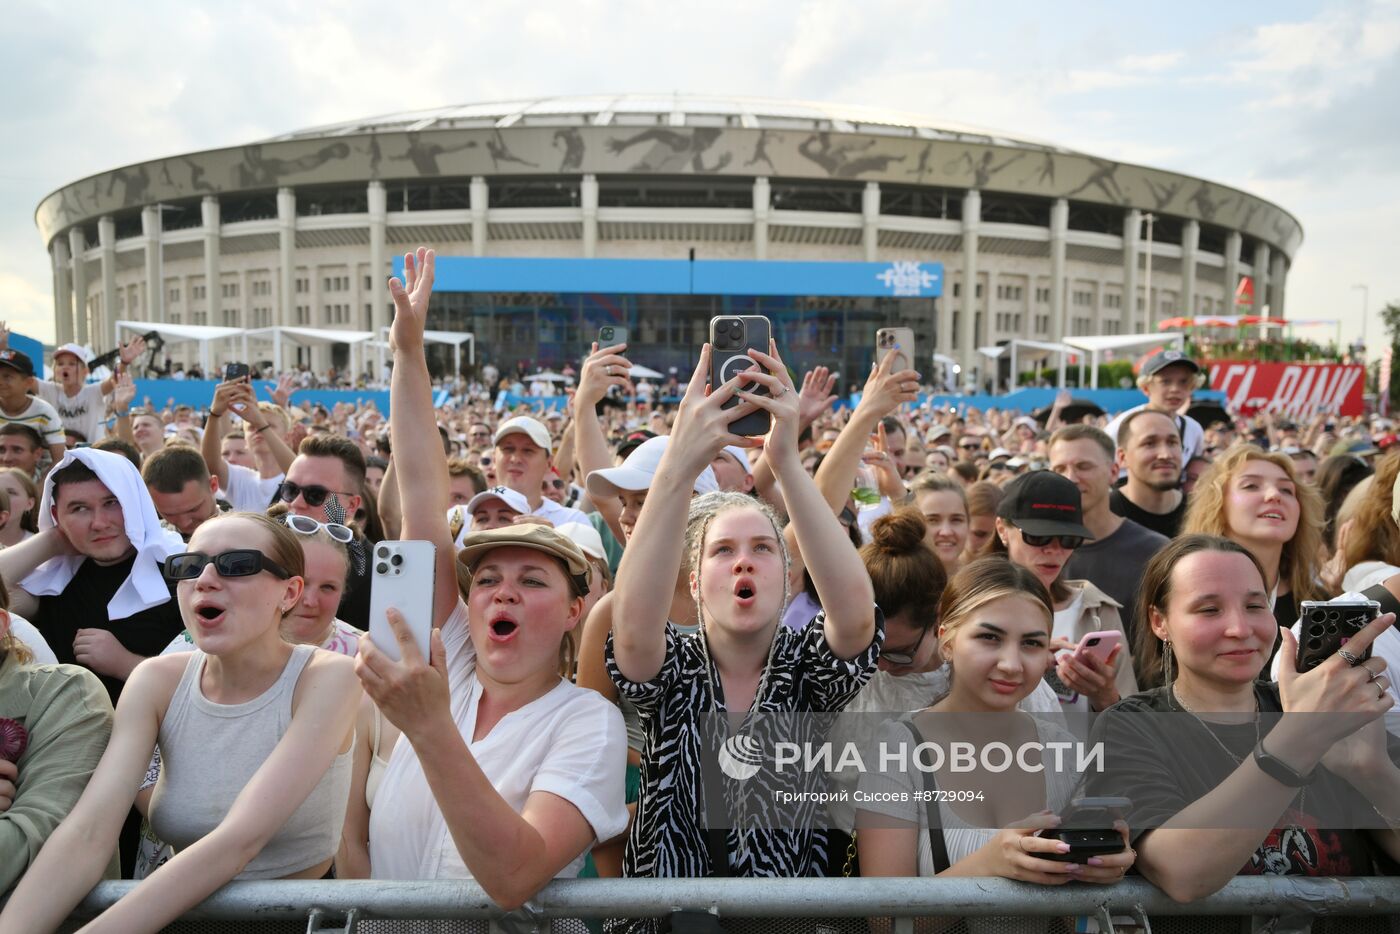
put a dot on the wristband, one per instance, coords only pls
(1280, 771)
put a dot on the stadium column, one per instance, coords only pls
(870, 213)
(480, 201)
(378, 317)
(77, 245)
(1059, 229)
(1190, 246)
(209, 213)
(107, 312)
(1278, 272)
(588, 198)
(1132, 224)
(967, 333)
(1233, 243)
(286, 247)
(62, 292)
(762, 206)
(155, 289)
(1261, 277)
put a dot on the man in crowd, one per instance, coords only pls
(323, 482)
(21, 447)
(732, 470)
(1168, 378)
(148, 432)
(181, 487)
(523, 447)
(464, 480)
(1115, 559)
(1149, 450)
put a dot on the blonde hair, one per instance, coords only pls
(981, 582)
(1206, 515)
(705, 509)
(29, 521)
(1374, 535)
(10, 643)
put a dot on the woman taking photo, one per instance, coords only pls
(943, 503)
(505, 772)
(1253, 497)
(994, 632)
(742, 660)
(254, 733)
(1246, 792)
(1039, 524)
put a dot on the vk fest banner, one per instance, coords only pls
(1296, 389)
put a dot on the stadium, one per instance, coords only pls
(654, 213)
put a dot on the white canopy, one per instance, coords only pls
(1034, 349)
(455, 338)
(546, 377)
(310, 337)
(643, 372)
(1098, 343)
(178, 333)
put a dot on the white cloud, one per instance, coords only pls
(1153, 62)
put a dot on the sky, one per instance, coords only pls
(1296, 102)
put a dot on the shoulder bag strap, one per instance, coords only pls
(1388, 601)
(936, 843)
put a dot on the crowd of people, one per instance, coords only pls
(186, 596)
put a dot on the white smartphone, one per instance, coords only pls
(402, 576)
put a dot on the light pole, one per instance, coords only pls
(1147, 279)
(1365, 308)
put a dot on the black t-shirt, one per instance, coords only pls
(1168, 524)
(83, 605)
(1115, 565)
(354, 603)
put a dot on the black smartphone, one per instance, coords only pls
(233, 371)
(1087, 826)
(1326, 628)
(610, 334)
(731, 338)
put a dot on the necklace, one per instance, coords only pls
(1174, 701)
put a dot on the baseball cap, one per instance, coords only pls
(1386, 442)
(585, 536)
(1165, 358)
(998, 454)
(637, 471)
(1043, 503)
(741, 456)
(17, 360)
(1359, 448)
(532, 428)
(1029, 422)
(936, 433)
(505, 494)
(77, 350)
(633, 441)
(528, 535)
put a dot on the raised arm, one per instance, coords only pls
(602, 368)
(122, 394)
(652, 560)
(420, 464)
(885, 390)
(226, 395)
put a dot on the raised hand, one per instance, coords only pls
(886, 389)
(131, 350)
(411, 301)
(603, 368)
(123, 392)
(781, 402)
(4, 335)
(818, 392)
(701, 428)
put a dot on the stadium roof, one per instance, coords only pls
(674, 110)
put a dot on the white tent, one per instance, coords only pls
(179, 333)
(1098, 343)
(311, 337)
(455, 338)
(1019, 347)
(643, 372)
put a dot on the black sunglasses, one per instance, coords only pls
(314, 495)
(236, 562)
(1068, 542)
(970, 447)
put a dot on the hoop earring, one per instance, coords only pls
(1167, 666)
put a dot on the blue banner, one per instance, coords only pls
(198, 393)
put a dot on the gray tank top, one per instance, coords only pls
(210, 753)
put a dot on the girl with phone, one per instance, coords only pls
(742, 660)
(1040, 521)
(994, 633)
(1223, 788)
(255, 735)
(504, 772)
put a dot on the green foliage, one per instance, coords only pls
(1390, 319)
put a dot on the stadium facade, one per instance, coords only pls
(1027, 239)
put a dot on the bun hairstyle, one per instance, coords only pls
(904, 571)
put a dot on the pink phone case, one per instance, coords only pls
(1104, 642)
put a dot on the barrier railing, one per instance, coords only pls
(902, 899)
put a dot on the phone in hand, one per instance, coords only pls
(1326, 627)
(402, 576)
(1098, 644)
(1087, 826)
(610, 334)
(897, 341)
(731, 338)
(233, 371)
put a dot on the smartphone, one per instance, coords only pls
(1064, 692)
(1098, 644)
(610, 334)
(899, 341)
(402, 576)
(1326, 627)
(233, 371)
(1087, 826)
(731, 338)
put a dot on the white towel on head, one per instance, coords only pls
(145, 587)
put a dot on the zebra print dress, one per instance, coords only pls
(668, 838)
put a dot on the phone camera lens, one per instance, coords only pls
(382, 551)
(382, 568)
(1333, 616)
(1318, 616)
(397, 560)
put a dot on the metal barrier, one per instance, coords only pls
(902, 899)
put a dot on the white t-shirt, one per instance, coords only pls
(554, 512)
(40, 416)
(571, 743)
(25, 632)
(1387, 644)
(84, 412)
(247, 492)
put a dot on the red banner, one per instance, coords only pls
(1296, 389)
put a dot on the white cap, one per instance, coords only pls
(997, 453)
(740, 455)
(1029, 422)
(1017, 461)
(532, 428)
(78, 350)
(586, 537)
(637, 470)
(505, 494)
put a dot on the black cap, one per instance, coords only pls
(17, 360)
(1164, 359)
(633, 441)
(1043, 503)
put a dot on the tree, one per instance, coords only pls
(1390, 320)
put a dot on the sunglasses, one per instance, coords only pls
(305, 525)
(998, 465)
(847, 516)
(1067, 542)
(237, 562)
(314, 495)
(970, 447)
(905, 658)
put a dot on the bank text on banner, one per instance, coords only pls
(1290, 388)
